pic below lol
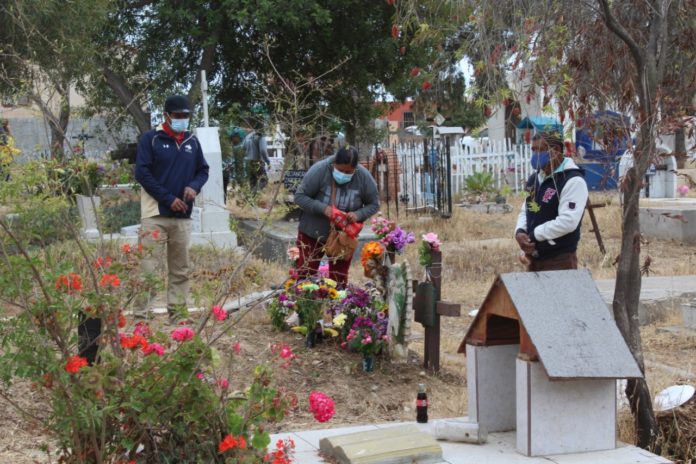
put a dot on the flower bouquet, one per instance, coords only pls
(356, 302)
(381, 226)
(371, 257)
(367, 337)
(397, 239)
(393, 237)
(307, 300)
(429, 245)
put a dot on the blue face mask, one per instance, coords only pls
(341, 177)
(179, 125)
(540, 159)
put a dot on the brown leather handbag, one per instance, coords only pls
(339, 245)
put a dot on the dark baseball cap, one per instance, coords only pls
(177, 104)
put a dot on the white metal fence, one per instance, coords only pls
(508, 164)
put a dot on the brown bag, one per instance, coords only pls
(339, 245)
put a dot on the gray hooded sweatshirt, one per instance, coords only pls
(314, 195)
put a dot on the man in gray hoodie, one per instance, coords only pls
(356, 194)
(256, 158)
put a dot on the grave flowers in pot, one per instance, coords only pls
(393, 237)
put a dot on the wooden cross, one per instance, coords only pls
(595, 227)
(428, 309)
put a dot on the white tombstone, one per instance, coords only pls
(661, 180)
(88, 207)
(214, 216)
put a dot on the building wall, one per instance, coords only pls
(33, 136)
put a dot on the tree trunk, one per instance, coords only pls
(680, 147)
(127, 99)
(59, 127)
(627, 292)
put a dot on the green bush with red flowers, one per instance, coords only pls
(153, 396)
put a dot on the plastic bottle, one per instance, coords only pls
(421, 404)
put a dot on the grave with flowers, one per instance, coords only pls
(374, 319)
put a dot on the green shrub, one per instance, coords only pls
(119, 215)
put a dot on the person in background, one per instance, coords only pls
(172, 170)
(256, 158)
(233, 159)
(548, 226)
(355, 194)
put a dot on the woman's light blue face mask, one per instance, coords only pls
(341, 177)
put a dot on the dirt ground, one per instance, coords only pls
(477, 246)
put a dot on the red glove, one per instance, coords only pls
(353, 229)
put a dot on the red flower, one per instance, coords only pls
(74, 364)
(70, 283)
(415, 71)
(402, 50)
(134, 341)
(155, 234)
(102, 263)
(121, 320)
(126, 248)
(322, 406)
(390, 2)
(395, 32)
(228, 443)
(110, 279)
(426, 85)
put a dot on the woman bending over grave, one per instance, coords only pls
(336, 196)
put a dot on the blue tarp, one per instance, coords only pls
(541, 124)
(603, 136)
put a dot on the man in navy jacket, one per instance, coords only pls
(172, 170)
(548, 227)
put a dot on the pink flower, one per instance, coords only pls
(366, 341)
(324, 270)
(224, 384)
(219, 313)
(155, 348)
(432, 240)
(286, 352)
(182, 334)
(142, 329)
(293, 253)
(200, 376)
(344, 345)
(322, 406)
(237, 348)
(683, 190)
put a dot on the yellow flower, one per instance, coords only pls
(288, 284)
(330, 282)
(333, 293)
(339, 320)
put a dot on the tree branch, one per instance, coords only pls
(127, 98)
(621, 32)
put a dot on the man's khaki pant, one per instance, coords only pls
(174, 234)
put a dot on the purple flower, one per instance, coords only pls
(397, 239)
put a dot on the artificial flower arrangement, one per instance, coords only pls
(372, 258)
(389, 234)
(429, 245)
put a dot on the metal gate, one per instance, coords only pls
(426, 177)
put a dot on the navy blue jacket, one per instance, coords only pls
(165, 168)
